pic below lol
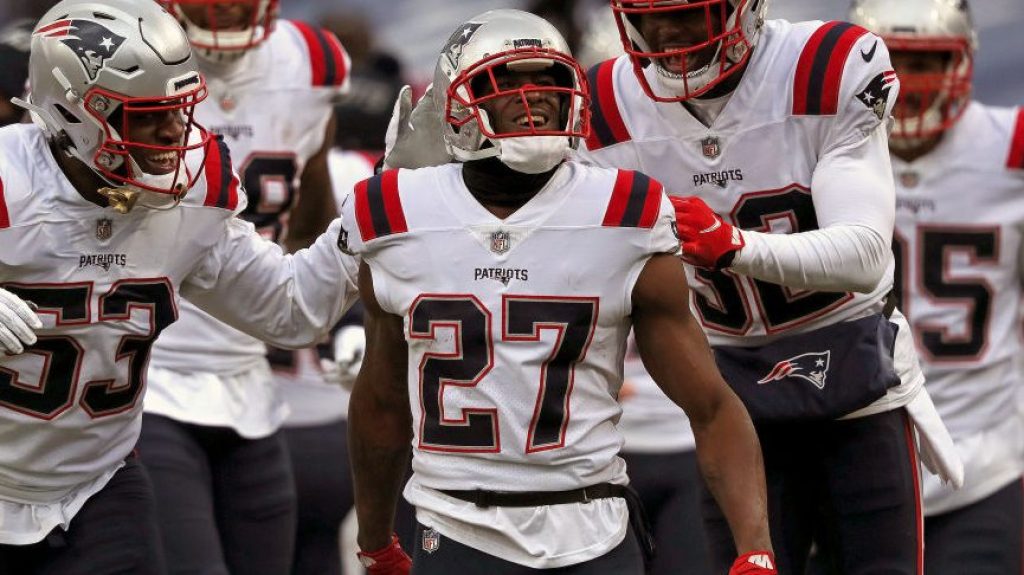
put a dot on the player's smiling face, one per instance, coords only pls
(157, 127)
(525, 111)
(221, 16)
(682, 29)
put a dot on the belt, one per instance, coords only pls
(537, 498)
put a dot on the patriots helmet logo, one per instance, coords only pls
(812, 367)
(457, 42)
(91, 42)
(876, 95)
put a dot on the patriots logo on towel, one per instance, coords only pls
(92, 42)
(812, 367)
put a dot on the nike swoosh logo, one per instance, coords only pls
(712, 227)
(870, 53)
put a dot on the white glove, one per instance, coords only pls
(349, 345)
(17, 320)
(415, 136)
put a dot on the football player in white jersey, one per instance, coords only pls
(499, 292)
(774, 134)
(959, 168)
(210, 437)
(113, 205)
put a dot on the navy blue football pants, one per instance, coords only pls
(225, 504)
(853, 483)
(115, 532)
(669, 487)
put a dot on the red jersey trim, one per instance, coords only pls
(607, 126)
(635, 201)
(326, 55)
(221, 183)
(378, 207)
(1015, 160)
(5, 219)
(819, 72)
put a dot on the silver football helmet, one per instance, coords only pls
(742, 21)
(216, 41)
(94, 65)
(929, 103)
(465, 80)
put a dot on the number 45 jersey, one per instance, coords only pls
(959, 244)
(516, 331)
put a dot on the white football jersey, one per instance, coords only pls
(517, 331)
(272, 108)
(297, 373)
(958, 246)
(811, 91)
(106, 284)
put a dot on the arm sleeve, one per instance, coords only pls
(853, 191)
(286, 300)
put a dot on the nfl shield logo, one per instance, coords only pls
(431, 540)
(909, 179)
(228, 103)
(500, 242)
(710, 147)
(104, 229)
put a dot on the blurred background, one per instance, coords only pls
(396, 41)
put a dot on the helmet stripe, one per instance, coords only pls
(819, 71)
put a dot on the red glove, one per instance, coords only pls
(707, 240)
(390, 560)
(754, 563)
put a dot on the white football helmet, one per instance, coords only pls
(741, 26)
(214, 41)
(928, 104)
(464, 80)
(94, 64)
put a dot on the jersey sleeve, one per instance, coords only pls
(289, 300)
(866, 93)
(664, 235)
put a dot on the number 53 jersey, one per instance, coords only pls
(516, 331)
(959, 245)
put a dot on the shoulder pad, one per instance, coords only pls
(327, 58)
(378, 207)
(606, 125)
(634, 202)
(819, 72)
(1015, 161)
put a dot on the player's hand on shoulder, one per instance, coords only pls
(415, 136)
(389, 560)
(18, 322)
(754, 563)
(706, 239)
(349, 346)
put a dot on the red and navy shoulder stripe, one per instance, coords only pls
(819, 72)
(221, 183)
(379, 207)
(1015, 161)
(635, 201)
(606, 125)
(326, 55)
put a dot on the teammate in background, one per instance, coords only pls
(775, 133)
(111, 206)
(511, 365)
(659, 447)
(14, 45)
(315, 383)
(210, 439)
(959, 168)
